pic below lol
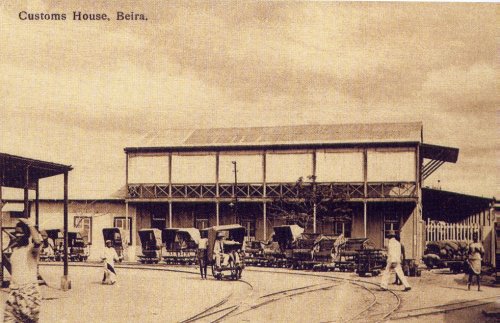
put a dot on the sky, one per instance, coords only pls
(78, 92)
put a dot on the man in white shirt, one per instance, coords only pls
(219, 250)
(393, 262)
(109, 257)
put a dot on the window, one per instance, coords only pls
(249, 225)
(84, 225)
(342, 227)
(120, 222)
(201, 224)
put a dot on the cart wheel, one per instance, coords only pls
(214, 272)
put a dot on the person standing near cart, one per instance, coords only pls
(203, 257)
(24, 301)
(393, 262)
(476, 252)
(109, 258)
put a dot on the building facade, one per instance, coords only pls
(208, 177)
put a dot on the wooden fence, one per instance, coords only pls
(436, 231)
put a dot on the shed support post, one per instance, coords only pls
(65, 281)
(217, 205)
(37, 205)
(1, 237)
(170, 214)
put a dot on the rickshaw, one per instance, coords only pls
(151, 246)
(303, 250)
(49, 251)
(180, 245)
(78, 249)
(115, 236)
(325, 252)
(254, 253)
(348, 254)
(286, 236)
(233, 235)
(78, 246)
(273, 255)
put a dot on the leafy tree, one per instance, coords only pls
(330, 201)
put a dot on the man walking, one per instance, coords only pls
(24, 301)
(393, 262)
(109, 258)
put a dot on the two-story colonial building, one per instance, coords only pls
(204, 177)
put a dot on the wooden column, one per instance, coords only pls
(264, 192)
(1, 237)
(365, 191)
(217, 203)
(65, 281)
(37, 205)
(170, 216)
(26, 192)
(314, 189)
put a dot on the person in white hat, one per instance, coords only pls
(393, 262)
(219, 254)
(109, 257)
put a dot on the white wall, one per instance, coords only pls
(249, 168)
(148, 169)
(193, 169)
(288, 167)
(391, 166)
(339, 166)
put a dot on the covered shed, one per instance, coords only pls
(25, 173)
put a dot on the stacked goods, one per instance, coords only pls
(438, 253)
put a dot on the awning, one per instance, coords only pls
(438, 155)
(13, 207)
(442, 153)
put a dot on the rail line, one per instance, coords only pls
(218, 313)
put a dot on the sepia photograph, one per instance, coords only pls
(249, 161)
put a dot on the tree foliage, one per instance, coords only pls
(331, 204)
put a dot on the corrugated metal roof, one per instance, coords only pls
(295, 134)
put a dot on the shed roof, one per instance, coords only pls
(13, 170)
(451, 206)
(285, 135)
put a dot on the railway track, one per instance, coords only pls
(383, 305)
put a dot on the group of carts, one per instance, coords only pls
(290, 247)
(180, 245)
(53, 246)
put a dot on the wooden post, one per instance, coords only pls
(264, 193)
(217, 210)
(65, 281)
(365, 191)
(314, 190)
(264, 213)
(170, 216)
(1, 237)
(37, 204)
(26, 196)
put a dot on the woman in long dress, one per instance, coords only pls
(476, 252)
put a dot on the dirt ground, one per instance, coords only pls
(263, 295)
